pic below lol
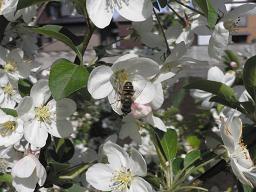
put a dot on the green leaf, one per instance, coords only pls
(24, 87)
(247, 188)
(74, 172)
(11, 112)
(27, 3)
(249, 76)
(232, 56)
(192, 157)
(216, 88)
(193, 141)
(162, 3)
(66, 78)
(5, 178)
(63, 150)
(55, 31)
(177, 165)
(169, 143)
(208, 9)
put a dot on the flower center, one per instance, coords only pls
(8, 89)
(232, 25)
(122, 180)
(121, 76)
(43, 113)
(3, 165)
(10, 66)
(7, 128)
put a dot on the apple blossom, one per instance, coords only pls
(101, 11)
(41, 116)
(13, 63)
(8, 156)
(214, 74)
(228, 23)
(107, 81)
(11, 129)
(27, 172)
(9, 93)
(240, 160)
(122, 173)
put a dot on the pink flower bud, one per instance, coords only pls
(140, 110)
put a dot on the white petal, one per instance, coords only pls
(138, 164)
(25, 105)
(140, 185)
(40, 93)
(24, 167)
(155, 122)
(99, 85)
(251, 176)
(215, 74)
(142, 66)
(158, 100)
(144, 91)
(100, 177)
(236, 128)
(62, 128)
(99, 12)
(178, 51)
(218, 41)
(114, 100)
(117, 157)
(40, 172)
(227, 138)
(65, 107)
(229, 78)
(246, 9)
(35, 133)
(25, 184)
(125, 57)
(164, 76)
(135, 10)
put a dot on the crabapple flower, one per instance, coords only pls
(13, 63)
(214, 74)
(8, 156)
(27, 173)
(228, 23)
(41, 116)
(240, 160)
(10, 12)
(107, 81)
(122, 173)
(101, 11)
(9, 93)
(11, 129)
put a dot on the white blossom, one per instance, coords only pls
(122, 173)
(27, 172)
(101, 11)
(41, 116)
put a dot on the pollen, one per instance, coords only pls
(8, 89)
(121, 76)
(10, 66)
(43, 113)
(3, 165)
(7, 128)
(122, 180)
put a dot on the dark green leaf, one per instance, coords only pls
(177, 165)
(66, 78)
(169, 143)
(5, 178)
(72, 173)
(26, 3)
(63, 150)
(216, 88)
(192, 157)
(24, 87)
(162, 3)
(11, 112)
(55, 31)
(208, 9)
(249, 76)
(193, 141)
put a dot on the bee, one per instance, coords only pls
(127, 97)
(126, 92)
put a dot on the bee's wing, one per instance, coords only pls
(114, 99)
(144, 90)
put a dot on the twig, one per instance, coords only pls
(178, 15)
(191, 8)
(168, 51)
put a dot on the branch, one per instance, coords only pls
(191, 8)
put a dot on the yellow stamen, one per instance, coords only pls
(121, 76)
(43, 113)
(7, 128)
(10, 66)
(122, 180)
(8, 89)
